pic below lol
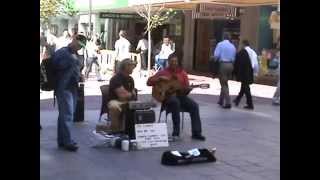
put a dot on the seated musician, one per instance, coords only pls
(180, 100)
(121, 90)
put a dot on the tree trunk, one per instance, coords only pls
(149, 38)
(149, 51)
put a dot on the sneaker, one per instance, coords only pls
(227, 106)
(236, 103)
(198, 137)
(248, 107)
(174, 139)
(60, 145)
(71, 147)
(275, 102)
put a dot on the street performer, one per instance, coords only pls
(179, 100)
(121, 90)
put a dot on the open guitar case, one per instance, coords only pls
(174, 158)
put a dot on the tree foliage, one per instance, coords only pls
(155, 16)
(49, 8)
(52, 8)
(69, 8)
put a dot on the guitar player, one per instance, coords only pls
(178, 100)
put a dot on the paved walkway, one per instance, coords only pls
(247, 142)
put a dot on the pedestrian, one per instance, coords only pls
(143, 48)
(52, 41)
(43, 42)
(122, 49)
(276, 96)
(166, 50)
(63, 40)
(225, 53)
(245, 68)
(68, 76)
(92, 52)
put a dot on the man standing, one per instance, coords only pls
(245, 66)
(143, 47)
(180, 101)
(67, 69)
(225, 53)
(166, 50)
(122, 48)
(92, 51)
(121, 90)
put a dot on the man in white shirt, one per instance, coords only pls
(122, 48)
(143, 47)
(92, 53)
(166, 50)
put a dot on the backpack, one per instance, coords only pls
(47, 75)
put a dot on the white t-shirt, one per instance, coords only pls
(166, 50)
(62, 42)
(142, 44)
(91, 49)
(122, 48)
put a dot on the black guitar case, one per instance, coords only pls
(170, 159)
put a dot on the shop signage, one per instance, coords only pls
(209, 11)
(119, 16)
(152, 135)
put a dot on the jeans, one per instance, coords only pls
(67, 101)
(161, 63)
(174, 105)
(144, 59)
(89, 66)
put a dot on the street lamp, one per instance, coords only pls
(90, 12)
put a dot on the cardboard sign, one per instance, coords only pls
(152, 135)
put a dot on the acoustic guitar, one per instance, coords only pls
(163, 89)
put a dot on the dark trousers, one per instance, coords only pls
(245, 90)
(116, 66)
(91, 61)
(174, 105)
(144, 60)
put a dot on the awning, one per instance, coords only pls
(100, 5)
(191, 4)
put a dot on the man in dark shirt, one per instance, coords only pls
(121, 90)
(68, 75)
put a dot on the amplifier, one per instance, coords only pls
(144, 116)
(136, 105)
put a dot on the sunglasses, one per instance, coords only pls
(82, 44)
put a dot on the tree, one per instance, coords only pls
(154, 16)
(48, 9)
(69, 8)
(52, 8)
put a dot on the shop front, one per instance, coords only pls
(211, 21)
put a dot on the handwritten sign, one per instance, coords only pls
(152, 135)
